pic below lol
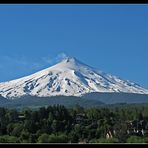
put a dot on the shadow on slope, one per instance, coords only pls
(35, 102)
(87, 101)
(112, 98)
(3, 100)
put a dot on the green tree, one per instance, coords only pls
(17, 130)
(24, 136)
(73, 137)
(121, 131)
(44, 138)
(12, 116)
(10, 128)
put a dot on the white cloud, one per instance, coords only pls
(62, 56)
(51, 61)
(26, 64)
(13, 67)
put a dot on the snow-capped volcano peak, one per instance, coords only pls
(70, 77)
(69, 62)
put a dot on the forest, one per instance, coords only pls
(59, 124)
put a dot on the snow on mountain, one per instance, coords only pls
(70, 77)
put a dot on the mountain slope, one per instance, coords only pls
(3, 100)
(70, 77)
(113, 98)
(37, 102)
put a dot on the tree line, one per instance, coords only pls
(58, 124)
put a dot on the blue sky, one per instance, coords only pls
(112, 38)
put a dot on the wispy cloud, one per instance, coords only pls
(12, 67)
(61, 56)
(26, 63)
(51, 61)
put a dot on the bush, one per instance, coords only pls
(135, 139)
(8, 139)
(44, 138)
(62, 138)
(104, 140)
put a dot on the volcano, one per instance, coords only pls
(70, 77)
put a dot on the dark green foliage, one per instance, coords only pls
(135, 139)
(59, 138)
(8, 139)
(44, 138)
(58, 124)
(17, 129)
